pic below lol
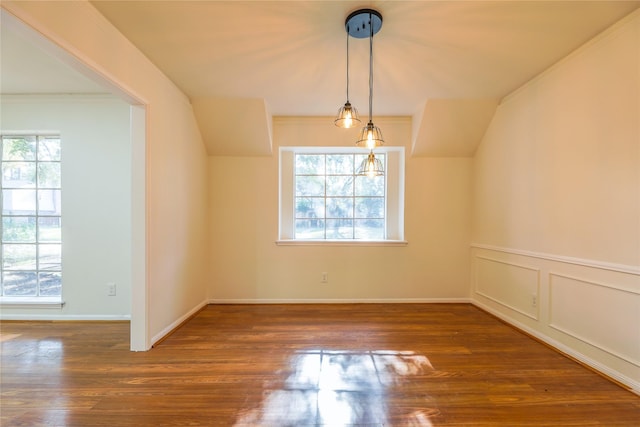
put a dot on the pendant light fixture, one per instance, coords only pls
(370, 167)
(347, 115)
(365, 23)
(361, 24)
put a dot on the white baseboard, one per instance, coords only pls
(338, 301)
(615, 375)
(67, 317)
(160, 335)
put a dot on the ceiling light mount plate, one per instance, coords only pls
(359, 23)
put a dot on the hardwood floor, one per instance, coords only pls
(303, 365)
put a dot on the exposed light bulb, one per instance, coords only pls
(371, 172)
(348, 121)
(370, 167)
(371, 144)
(347, 116)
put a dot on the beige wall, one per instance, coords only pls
(559, 168)
(556, 223)
(247, 265)
(176, 162)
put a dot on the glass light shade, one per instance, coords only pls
(370, 137)
(370, 167)
(347, 117)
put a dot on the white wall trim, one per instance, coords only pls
(500, 261)
(621, 268)
(339, 301)
(65, 317)
(594, 344)
(160, 335)
(502, 303)
(292, 242)
(32, 305)
(553, 274)
(623, 379)
(578, 336)
(20, 302)
(139, 339)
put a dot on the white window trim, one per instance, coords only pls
(31, 302)
(394, 215)
(345, 242)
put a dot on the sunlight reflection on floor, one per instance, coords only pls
(7, 337)
(42, 360)
(339, 388)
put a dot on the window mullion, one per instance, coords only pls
(325, 197)
(1, 217)
(353, 197)
(37, 216)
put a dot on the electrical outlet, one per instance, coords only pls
(111, 289)
(325, 277)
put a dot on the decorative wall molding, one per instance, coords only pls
(595, 315)
(587, 309)
(595, 283)
(621, 268)
(503, 302)
(501, 261)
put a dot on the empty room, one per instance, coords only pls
(320, 213)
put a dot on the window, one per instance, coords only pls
(331, 202)
(31, 249)
(322, 199)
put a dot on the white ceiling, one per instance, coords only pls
(292, 53)
(432, 59)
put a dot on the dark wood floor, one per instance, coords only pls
(303, 365)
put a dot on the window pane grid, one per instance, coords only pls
(31, 253)
(332, 202)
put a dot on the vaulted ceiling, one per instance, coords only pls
(437, 61)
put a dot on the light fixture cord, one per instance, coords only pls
(370, 68)
(347, 63)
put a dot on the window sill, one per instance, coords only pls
(342, 242)
(31, 302)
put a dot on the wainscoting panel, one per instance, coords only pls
(588, 309)
(581, 308)
(511, 285)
